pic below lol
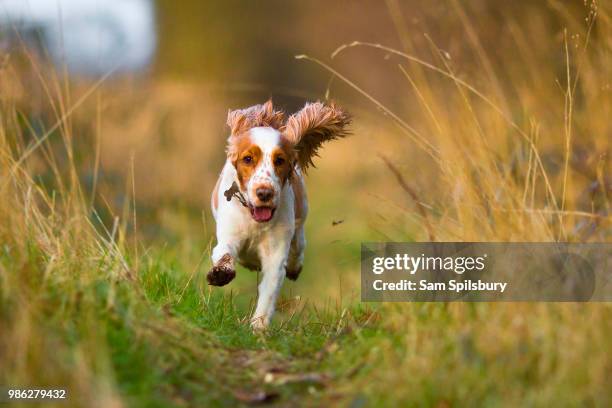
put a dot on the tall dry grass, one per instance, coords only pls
(54, 260)
(521, 156)
(510, 151)
(517, 151)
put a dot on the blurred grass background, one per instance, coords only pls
(494, 115)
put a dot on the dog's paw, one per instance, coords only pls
(259, 324)
(220, 275)
(293, 273)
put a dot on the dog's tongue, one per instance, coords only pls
(262, 214)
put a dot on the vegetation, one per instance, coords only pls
(103, 293)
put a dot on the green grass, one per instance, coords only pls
(159, 336)
(165, 339)
(112, 304)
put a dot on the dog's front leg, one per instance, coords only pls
(223, 270)
(273, 267)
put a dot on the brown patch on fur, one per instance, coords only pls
(286, 152)
(241, 120)
(223, 272)
(315, 124)
(226, 260)
(241, 147)
(237, 144)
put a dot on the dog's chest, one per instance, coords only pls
(248, 255)
(260, 242)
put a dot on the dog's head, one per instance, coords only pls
(265, 149)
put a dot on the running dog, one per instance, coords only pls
(259, 202)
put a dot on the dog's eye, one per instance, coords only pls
(247, 159)
(279, 161)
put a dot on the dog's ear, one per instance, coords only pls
(315, 124)
(241, 120)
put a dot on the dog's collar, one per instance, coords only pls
(235, 191)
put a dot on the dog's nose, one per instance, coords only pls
(264, 194)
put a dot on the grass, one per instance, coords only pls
(103, 293)
(160, 340)
(151, 335)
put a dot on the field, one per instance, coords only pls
(105, 230)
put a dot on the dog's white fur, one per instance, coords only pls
(276, 246)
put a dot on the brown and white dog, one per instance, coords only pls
(259, 202)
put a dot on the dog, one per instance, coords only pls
(259, 201)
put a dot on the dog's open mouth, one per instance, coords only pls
(262, 214)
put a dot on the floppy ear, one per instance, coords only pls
(241, 120)
(315, 124)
